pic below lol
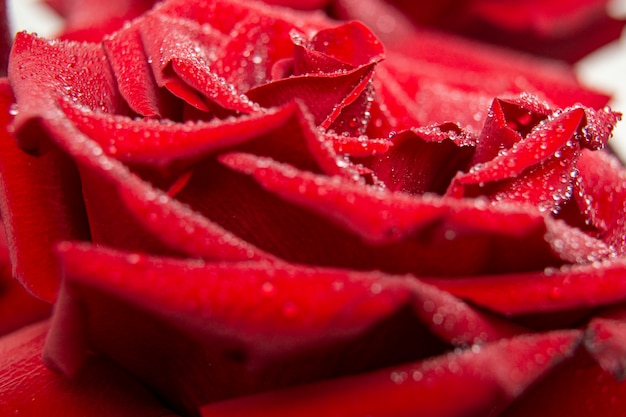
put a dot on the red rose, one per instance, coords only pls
(556, 29)
(253, 210)
(553, 28)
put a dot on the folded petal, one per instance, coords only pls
(552, 80)
(135, 81)
(579, 385)
(194, 345)
(146, 218)
(102, 390)
(424, 160)
(180, 55)
(18, 308)
(398, 233)
(568, 288)
(481, 381)
(41, 71)
(259, 42)
(325, 95)
(172, 148)
(600, 195)
(41, 202)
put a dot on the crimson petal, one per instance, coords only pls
(31, 389)
(5, 39)
(606, 341)
(540, 144)
(555, 81)
(600, 194)
(226, 14)
(578, 387)
(397, 111)
(482, 382)
(352, 43)
(146, 218)
(358, 147)
(171, 147)
(507, 123)
(325, 95)
(18, 308)
(194, 345)
(129, 63)
(399, 233)
(424, 160)
(41, 203)
(568, 288)
(181, 62)
(548, 185)
(566, 31)
(91, 20)
(41, 70)
(247, 58)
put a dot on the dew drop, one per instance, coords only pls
(417, 376)
(133, 258)
(268, 289)
(399, 377)
(14, 110)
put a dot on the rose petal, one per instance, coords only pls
(423, 160)
(226, 14)
(352, 43)
(539, 169)
(91, 20)
(396, 110)
(398, 233)
(41, 70)
(18, 308)
(5, 39)
(481, 382)
(455, 321)
(181, 60)
(547, 186)
(606, 341)
(102, 390)
(555, 81)
(325, 95)
(194, 345)
(466, 94)
(540, 144)
(600, 194)
(579, 387)
(147, 219)
(352, 117)
(168, 147)
(389, 23)
(508, 121)
(255, 45)
(135, 81)
(575, 246)
(568, 288)
(41, 203)
(358, 147)
(566, 31)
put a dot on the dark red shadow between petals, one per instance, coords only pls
(101, 390)
(482, 382)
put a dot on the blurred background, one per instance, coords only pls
(604, 69)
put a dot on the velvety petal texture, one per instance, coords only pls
(29, 388)
(229, 207)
